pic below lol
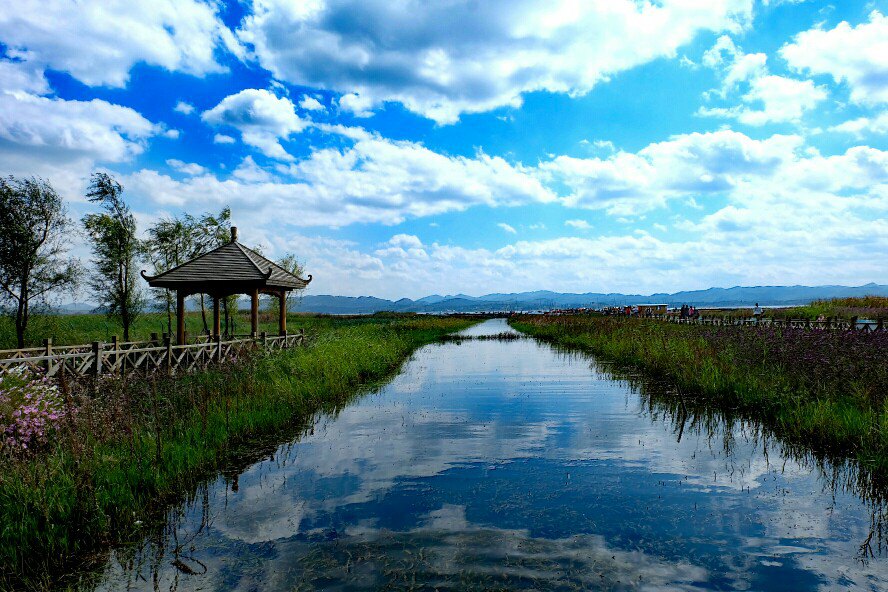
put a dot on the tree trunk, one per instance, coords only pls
(203, 314)
(169, 313)
(21, 318)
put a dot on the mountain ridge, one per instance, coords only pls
(545, 299)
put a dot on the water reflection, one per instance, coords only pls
(512, 465)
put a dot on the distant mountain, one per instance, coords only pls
(545, 300)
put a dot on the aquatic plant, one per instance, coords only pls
(823, 388)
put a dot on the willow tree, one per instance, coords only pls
(34, 227)
(116, 249)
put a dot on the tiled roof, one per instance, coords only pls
(232, 263)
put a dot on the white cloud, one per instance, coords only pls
(507, 228)
(188, 168)
(184, 108)
(373, 180)
(310, 103)
(223, 139)
(261, 117)
(442, 60)
(359, 106)
(578, 224)
(782, 100)
(98, 42)
(768, 99)
(857, 56)
(681, 167)
(55, 130)
(864, 125)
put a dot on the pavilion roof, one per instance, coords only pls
(230, 266)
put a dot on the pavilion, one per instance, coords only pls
(224, 271)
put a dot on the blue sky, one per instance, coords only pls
(403, 148)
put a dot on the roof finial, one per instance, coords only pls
(234, 234)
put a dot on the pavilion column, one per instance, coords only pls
(254, 312)
(180, 317)
(217, 322)
(282, 307)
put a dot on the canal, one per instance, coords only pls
(508, 464)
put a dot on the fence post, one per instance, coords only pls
(153, 338)
(115, 345)
(880, 324)
(97, 352)
(168, 343)
(262, 338)
(218, 339)
(47, 351)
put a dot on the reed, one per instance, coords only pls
(826, 389)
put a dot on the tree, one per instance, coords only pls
(294, 266)
(208, 233)
(170, 243)
(33, 240)
(115, 248)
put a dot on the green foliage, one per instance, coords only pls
(116, 248)
(33, 229)
(139, 444)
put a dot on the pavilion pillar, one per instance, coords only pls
(254, 312)
(217, 322)
(282, 308)
(180, 317)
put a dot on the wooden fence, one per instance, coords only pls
(97, 358)
(826, 325)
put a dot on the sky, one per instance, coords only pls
(402, 148)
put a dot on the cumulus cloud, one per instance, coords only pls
(85, 40)
(857, 56)
(372, 180)
(223, 139)
(684, 166)
(56, 130)
(578, 224)
(507, 228)
(262, 118)
(187, 168)
(442, 60)
(359, 106)
(310, 103)
(864, 125)
(768, 98)
(184, 108)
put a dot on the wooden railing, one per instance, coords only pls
(854, 323)
(99, 358)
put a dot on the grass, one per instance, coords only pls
(86, 328)
(134, 446)
(824, 389)
(865, 307)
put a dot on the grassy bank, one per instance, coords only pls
(825, 389)
(129, 447)
(86, 328)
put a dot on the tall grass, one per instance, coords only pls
(825, 389)
(135, 444)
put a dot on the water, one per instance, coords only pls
(510, 465)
